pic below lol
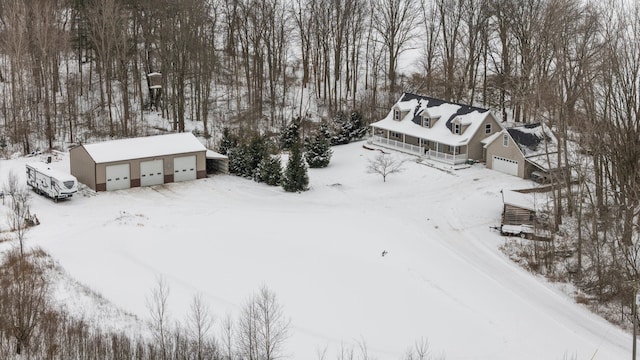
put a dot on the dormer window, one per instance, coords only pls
(426, 122)
(487, 128)
(456, 128)
(396, 114)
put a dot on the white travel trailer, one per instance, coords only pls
(52, 183)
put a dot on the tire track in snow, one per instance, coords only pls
(533, 291)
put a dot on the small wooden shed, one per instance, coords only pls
(519, 208)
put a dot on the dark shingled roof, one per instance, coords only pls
(530, 140)
(433, 102)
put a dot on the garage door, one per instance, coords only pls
(506, 166)
(118, 177)
(151, 172)
(184, 168)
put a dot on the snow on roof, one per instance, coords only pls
(47, 170)
(517, 199)
(144, 147)
(534, 139)
(488, 140)
(440, 132)
(544, 162)
(214, 155)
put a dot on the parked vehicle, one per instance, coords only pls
(541, 177)
(524, 231)
(51, 183)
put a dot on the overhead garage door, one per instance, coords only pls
(506, 166)
(151, 172)
(118, 177)
(184, 168)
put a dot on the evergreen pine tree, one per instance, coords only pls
(340, 136)
(270, 171)
(290, 135)
(227, 142)
(238, 161)
(357, 127)
(318, 154)
(347, 130)
(295, 175)
(256, 152)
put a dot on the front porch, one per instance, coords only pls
(427, 149)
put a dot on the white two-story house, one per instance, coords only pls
(440, 130)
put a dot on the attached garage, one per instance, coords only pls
(506, 166)
(146, 161)
(518, 150)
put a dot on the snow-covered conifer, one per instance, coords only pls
(318, 154)
(270, 171)
(295, 175)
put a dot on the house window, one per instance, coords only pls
(456, 128)
(394, 134)
(487, 129)
(426, 122)
(396, 114)
(505, 140)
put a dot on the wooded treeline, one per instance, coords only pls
(73, 70)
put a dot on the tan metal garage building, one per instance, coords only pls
(144, 161)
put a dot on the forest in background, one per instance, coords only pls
(76, 70)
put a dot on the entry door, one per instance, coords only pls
(151, 172)
(184, 168)
(118, 177)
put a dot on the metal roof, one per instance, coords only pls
(144, 147)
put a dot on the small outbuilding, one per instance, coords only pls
(519, 208)
(143, 161)
(520, 215)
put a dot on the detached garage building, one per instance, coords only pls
(145, 161)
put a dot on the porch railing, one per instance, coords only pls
(417, 150)
(448, 158)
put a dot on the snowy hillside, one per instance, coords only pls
(443, 277)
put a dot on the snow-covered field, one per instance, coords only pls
(443, 278)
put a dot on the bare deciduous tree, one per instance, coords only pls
(20, 214)
(227, 338)
(384, 165)
(395, 21)
(419, 351)
(200, 323)
(24, 289)
(157, 304)
(263, 327)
